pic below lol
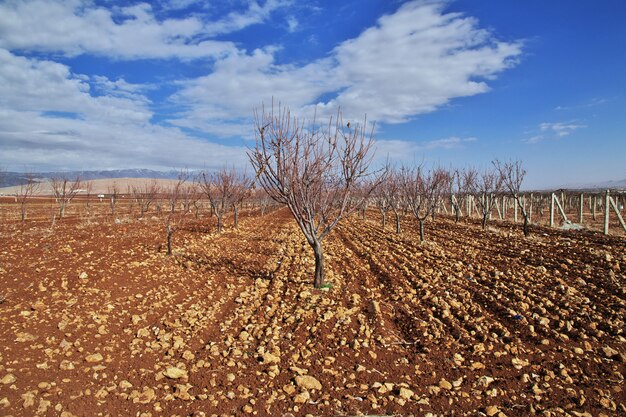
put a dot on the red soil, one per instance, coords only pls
(98, 321)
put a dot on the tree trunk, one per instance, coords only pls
(384, 219)
(422, 230)
(23, 212)
(236, 216)
(61, 210)
(456, 214)
(485, 221)
(318, 279)
(526, 226)
(169, 239)
(219, 223)
(398, 230)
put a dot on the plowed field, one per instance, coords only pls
(98, 321)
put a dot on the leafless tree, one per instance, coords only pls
(381, 200)
(64, 190)
(144, 195)
(443, 190)
(512, 174)
(395, 198)
(261, 199)
(225, 190)
(422, 190)
(313, 170)
(174, 194)
(87, 186)
(114, 192)
(243, 187)
(25, 192)
(189, 196)
(485, 189)
(461, 183)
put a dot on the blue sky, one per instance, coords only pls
(170, 84)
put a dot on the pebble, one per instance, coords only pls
(308, 382)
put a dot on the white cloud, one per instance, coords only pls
(292, 24)
(403, 151)
(236, 21)
(560, 129)
(591, 103)
(551, 131)
(49, 120)
(73, 27)
(222, 102)
(411, 62)
(416, 60)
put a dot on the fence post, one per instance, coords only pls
(617, 212)
(580, 213)
(606, 213)
(552, 197)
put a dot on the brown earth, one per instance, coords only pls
(96, 187)
(97, 320)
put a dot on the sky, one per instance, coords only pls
(88, 85)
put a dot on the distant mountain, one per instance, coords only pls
(600, 185)
(9, 179)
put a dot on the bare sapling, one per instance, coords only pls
(382, 202)
(242, 189)
(461, 183)
(25, 192)
(395, 198)
(145, 195)
(88, 188)
(64, 190)
(513, 174)
(174, 194)
(225, 189)
(422, 190)
(314, 170)
(189, 196)
(485, 189)
(114, 192)
(443, 193)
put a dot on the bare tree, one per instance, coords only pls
(313, 170)
(395, 197)
(485, 189)
(242, 189)
(173, 195)
(144, 195)
(461, 183)
(114, 192)
(64, 190)
(381, 200)
(512, 174)
(25, 192)
(422, 190)
(189, 196)
(225, 189)
(88, 188)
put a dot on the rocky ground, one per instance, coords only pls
(98, 321)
